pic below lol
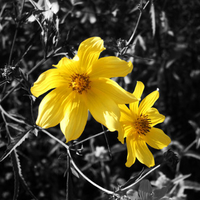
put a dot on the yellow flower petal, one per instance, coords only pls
(157, 139)
(113, 90)
(155, 116)
(148, 102)
(143, 154)
(51, 108)
(67, 66)
(46, 81)
(88, 53)
(125, 131)
(120, 134)
(111, 66)
(76, 114)
(103, 108)
(126, 115)
(125, 118)
(131, 156)
(139, 88)
(128, 129)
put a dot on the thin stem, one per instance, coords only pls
(86, 178)
(7, 128)
(104, 131)
(74, 165)
(53, 137)
(138, 180)
(15, 36)
(20, 81)
(136, 26)
(40, 63)
(190, 145)
(32, 116)
(11, 117)
(13, 43)
(93, 136)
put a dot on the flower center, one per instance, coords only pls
(79, 82)
(142, 124)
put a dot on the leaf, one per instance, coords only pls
(15, 142)
(19, 4)
(170, 62)
(153, 18)
(17, 170)
(192, 154)
(132, 180)
(74, 172)
(132, 194)
(192, 185)
(180, 178)
(197, 131)
(145, 190)
(145, 186)
(16, 127)
(141, 42)
(159, 193)
(18, 176)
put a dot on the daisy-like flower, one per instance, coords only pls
(138, 123)
(81, 84)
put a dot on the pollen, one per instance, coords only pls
(142, 125)
(79, 82)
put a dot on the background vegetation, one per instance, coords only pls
(34, 35)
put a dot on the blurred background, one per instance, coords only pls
(164, 51)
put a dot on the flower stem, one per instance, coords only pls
(86, 178)
(74, 165)
(53, 137)
(93, 136)
(139, 179)
(11, 117)
(137, 23)
(190, 145)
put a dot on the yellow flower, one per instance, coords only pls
(81, 84)
(138, 123)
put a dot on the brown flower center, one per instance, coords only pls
(142, 124)
(79, 82)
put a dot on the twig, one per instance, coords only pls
(86, 178)
(11, 117)
(93, 136)
(142, 177)
(140, 8)
(15, 35)
(20, 81)
(13, 43)
(74, 165)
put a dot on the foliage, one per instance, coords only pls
(161, 38)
